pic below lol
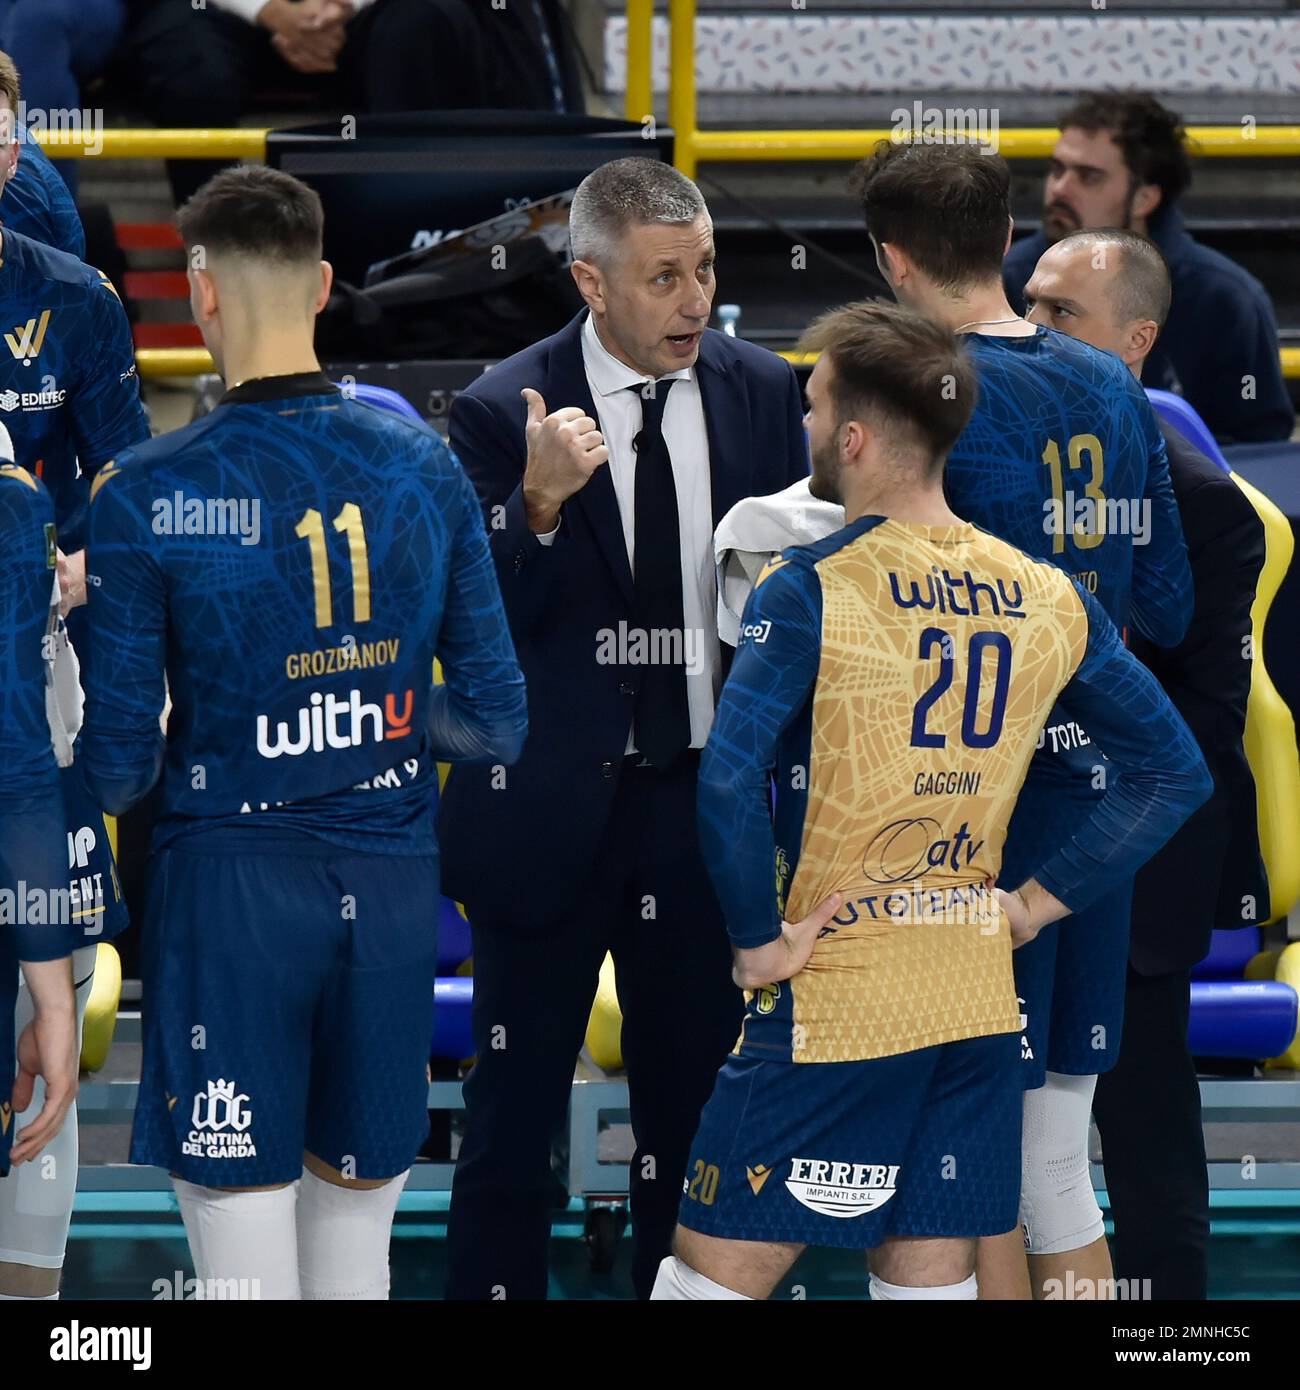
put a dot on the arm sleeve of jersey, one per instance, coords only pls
(1162, 594)
(774, 670)
(479, 713)
(26, 755)
(33, 842)
(120, 746)
(105, 408)
(1157, 776)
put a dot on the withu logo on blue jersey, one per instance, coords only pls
(329, 722)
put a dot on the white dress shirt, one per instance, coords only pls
(619, 412)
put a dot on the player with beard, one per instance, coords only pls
(891, 681)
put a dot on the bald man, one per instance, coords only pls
(1112, 289)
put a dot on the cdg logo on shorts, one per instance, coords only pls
(329, 722)
(906, 848)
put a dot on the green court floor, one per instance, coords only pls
(123, 1244)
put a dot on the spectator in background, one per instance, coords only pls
(1121, 162)
(58, 45)
(201, 67)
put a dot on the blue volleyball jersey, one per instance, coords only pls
(294, 561)
(33, 838)
(891, 680)
(1064, 458)
(36, 202)
(69, 392)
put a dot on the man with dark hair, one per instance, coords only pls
(604, 456)
(1111, 289)
(1121, 161)
(1063, 458)
(890, 682)
(290, 565)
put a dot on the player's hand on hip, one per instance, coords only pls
(47, 1048)
(788, 954)
(565, 447)
(72, 581)
(1029, 909)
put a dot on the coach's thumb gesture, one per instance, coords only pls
(565, 448)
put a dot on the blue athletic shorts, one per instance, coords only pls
(849, 1153)
(98, 907)
(287, 1001)
(1071, 979)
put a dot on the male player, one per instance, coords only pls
(37, 202)
(1063, 458)
(292, 563)
(69, 392)
(34, 927)
(893, 678)
(36, 1204)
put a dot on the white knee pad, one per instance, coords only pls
(1058, 1208)
(36, 1199)
(343, 1235)
(244, 1244)
(677, 1282)
(965, 1292)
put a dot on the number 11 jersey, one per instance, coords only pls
(295, 560)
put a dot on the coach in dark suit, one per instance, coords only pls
(1148, 1108)
(604, 457)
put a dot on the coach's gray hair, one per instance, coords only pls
(1141, 288)
(623, 193)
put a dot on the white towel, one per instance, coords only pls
(749, 534)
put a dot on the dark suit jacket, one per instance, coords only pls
(1197, 881)
(521, 851)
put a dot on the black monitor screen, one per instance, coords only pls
(400, 183)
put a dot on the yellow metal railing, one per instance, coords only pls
(692, 144)
(154, 144)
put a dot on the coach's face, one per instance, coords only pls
(1089, 185)
(652, 300)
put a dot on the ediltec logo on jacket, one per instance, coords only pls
(26, 340)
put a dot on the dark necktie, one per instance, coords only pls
(661, 719)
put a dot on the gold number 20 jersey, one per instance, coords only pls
(893, 680)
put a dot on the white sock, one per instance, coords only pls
(28, 1298)
(343, 1235)
(677, 1282)
(248, 1236)
(966, 1291)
